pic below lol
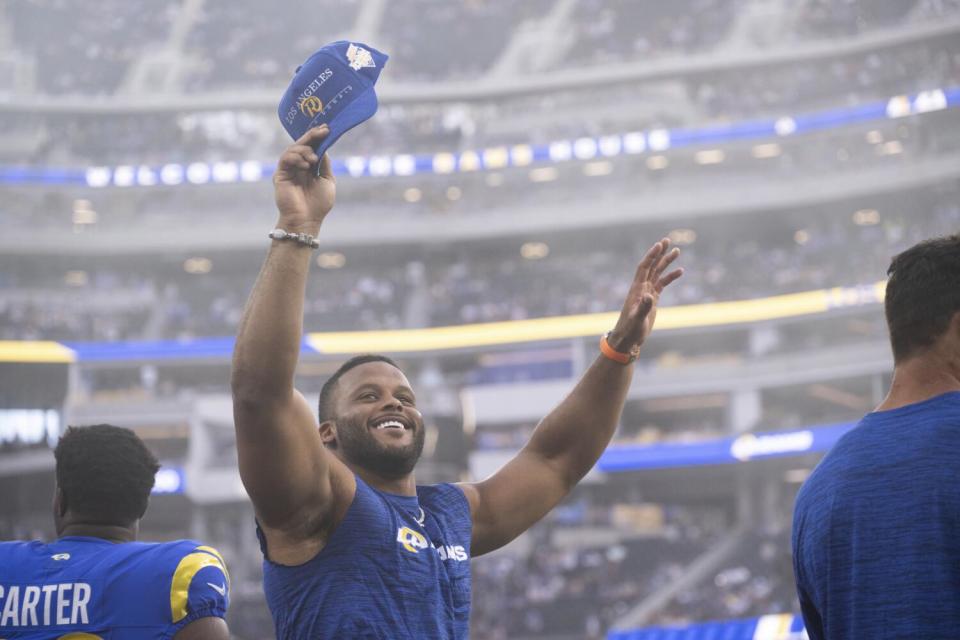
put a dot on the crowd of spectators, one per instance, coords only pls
(756, 580)
(233, 47)
(840, 81)
(73, 139)
(844, 18)
(560, 589)
(437, 39)
(238, 45)
(612, 31)
(82, 48)
(156, 298)
(231, 44)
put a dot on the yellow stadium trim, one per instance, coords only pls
(79, 636)
(35, 351)
(565, 327)
(183, 576)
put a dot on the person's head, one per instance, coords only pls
(923, 299)
(368, 416)
(104, 477)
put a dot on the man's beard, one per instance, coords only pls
(362, 448)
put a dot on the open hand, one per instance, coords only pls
(640, 308)
(304, 198)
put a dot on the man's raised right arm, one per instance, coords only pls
(283, 464)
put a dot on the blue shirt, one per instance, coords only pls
(382, 574)
(111, 591)
(876, 529)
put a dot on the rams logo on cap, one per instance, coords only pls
(359, 57)
(311, 106)
(411, 540)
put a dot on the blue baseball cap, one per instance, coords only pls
(333, 87)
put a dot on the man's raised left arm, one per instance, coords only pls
(569, 440)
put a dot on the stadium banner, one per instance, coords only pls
(35, 351)
(518, 155)
(781, 626)
(465, 336)
(742, 448)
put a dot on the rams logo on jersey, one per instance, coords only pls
(311, 106)
(411, 540)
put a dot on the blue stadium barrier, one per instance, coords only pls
(742, 448)
(520, 155)
(783, 626)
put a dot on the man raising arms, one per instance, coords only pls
(353, 547)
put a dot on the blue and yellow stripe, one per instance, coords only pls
(461, 336)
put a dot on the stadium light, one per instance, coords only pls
(656, 163)
(356, 165)
(444, 163)
(83, 212)
(866, 217)
(560, 151)
(785, 126)
(898, 107)
(124, 176)
(226, 172)
(890, 148)
(404, 165)
(98, 176)
(709, 156)
(380, 166)
(521, 155)
(927, 101)
(494, 179)
(682, 236)
(801, 237)
(634, 142)
(543, 174)
(331, 260)
(585, 148)
(658, 140)
(252, 171)
(469, 161)
(796, 476)
(198, 173)
(610, 146)
(171, 174)
(496, 158)
(534, 250)
(598, 168)
(146, 177)
(76, 278)
(768, 150)
(197, 265)
(412, 195)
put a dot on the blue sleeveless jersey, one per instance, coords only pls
(93, 589)
(382, 574)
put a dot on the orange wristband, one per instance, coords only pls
(617, 356)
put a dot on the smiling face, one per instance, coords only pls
(377, 424)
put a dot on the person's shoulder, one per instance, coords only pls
(196, 576)
(19, 550)
(439, 491)
(178, 555)
(823, 475)
(444, 496)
